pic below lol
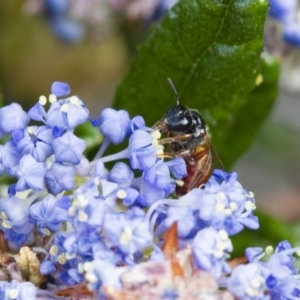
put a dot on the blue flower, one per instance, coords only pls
(68, 148)
(47, 215)
(13, 212)
(12, 117)
(115, 125)
(15, 224)
(87, 211)
(36, 141)
(184, 217)
(127, 231)
(58, 88)
(291, 34)
(10, 157)
(121, 174)
(67, 113)
(67, 29)
(248, 282)
(101, 273)
(30, 173)
(283, 11)
(60, 178)
(143, 152)
(15, 290)
(225, 204)
(210, 251)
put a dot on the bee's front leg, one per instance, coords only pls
(181, 153)
(175, 139)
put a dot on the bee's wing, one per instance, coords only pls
(216, 162)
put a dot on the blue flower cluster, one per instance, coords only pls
(93, 226)
(285, 11)
(61, 22)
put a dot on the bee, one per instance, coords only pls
(187, 137)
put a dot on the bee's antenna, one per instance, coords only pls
(174, 90)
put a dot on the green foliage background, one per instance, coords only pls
(211, 49)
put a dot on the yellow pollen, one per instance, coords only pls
(259, 79)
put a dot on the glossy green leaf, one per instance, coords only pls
(240, 132)
(211, 50)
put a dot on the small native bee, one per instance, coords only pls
(186, 135)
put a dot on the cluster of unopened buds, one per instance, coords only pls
(73, 228)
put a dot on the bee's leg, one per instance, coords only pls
(174, 139)
(180, 153)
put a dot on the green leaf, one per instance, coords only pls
(211, 51)
(245, 123)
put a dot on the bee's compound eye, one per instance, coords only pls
(178, 118)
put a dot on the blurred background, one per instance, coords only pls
(90, 43)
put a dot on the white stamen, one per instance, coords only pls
(64, 108)
(223, 234)
(75, 101)
(97, 180)
(233, 206)
(52, 98)
(221, 197)
(220, 207)
(13, 294)
(218, 253)
(6, 224)
(126, 235)
(250, 194)
(62, 259)
(69, 256)
(156, 134)
(88, 267)
(4, 215)
(72, 211)
(180, 182)
(82, 201)
(80, 268)
(53, 250)
(30, 130)
(121, 194)
(91, 277)
(42, 100)
(249, 205)
(46, 231)
(269, 250)
(82, 216)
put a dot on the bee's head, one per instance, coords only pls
(177, 119)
